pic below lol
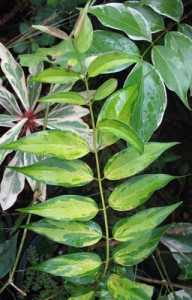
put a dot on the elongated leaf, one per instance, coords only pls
(65, 208)
(7, 255)
(105, 89)
(118, 106)
(126, 19)
(72, 265)
(12, 183)
(151, 101)
(110, 60)
(9, 136)
(56, 75)
(133, 252)
(15, 75)
(86, 296)
(76, 234)
(7, 120)
(64, 97)
(55, 171)
(183, 45)
(121, 130)
(128, 162)
(81, 20)
(61, 144)
(52, 31)
(34, 88)
(8, 101)
(134, 227)
(85, 37)
(136, 191)
(173, 70)
(123, 288)
(172, 8)
(154, 20)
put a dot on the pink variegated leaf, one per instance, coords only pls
(7, 120)
(8, 101)
(34, 88)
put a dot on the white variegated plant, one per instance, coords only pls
(23, 115)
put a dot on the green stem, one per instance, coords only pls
(99, 178)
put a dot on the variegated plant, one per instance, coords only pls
(23, 115)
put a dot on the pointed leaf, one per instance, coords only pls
(121, 130)
(173, 70)
(128, 162)
(120, 17)
(76, 234)
(55, 171)
(65, 208)
(151, 101)
(85, 37)
(136, 191)
(7, 255)
(72, 265)
(154, 20)
(110, 60)
(8, 101)
(34, 88)
(61, 144)
(134, 227)
(7, 120)
(185, 29)
(133, 252)
(123, 288)
(81, 20)
(64, 97)
(12, 183)
(172, 8)
(56, 75)
(105, 89)
(15, 75)
(52, 31)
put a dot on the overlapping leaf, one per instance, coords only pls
(105, 89)
(64, 97)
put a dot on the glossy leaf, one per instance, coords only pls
(128, 162)
(105, 89)
(72, 233)
(108, 61)
(86, 296)
(151, 101)
(85, 37)
(65, 208)
(61, 144)
(183, 45)
(123, 288)
(173, 70)
(72, 265)
(132, 228)
(154, 20)
(118, 106)
(172, 8)
(136, 191)
(126, 19)
(55, 171)
(7, 255)
(134, 252)
(52, 31)
(185, 265)
(56, 75)
(64, 97)
(185, 29)
(121, 130)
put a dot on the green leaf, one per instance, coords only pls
(185, 265)
(85, 37)
(7, 255)
(151, 102)
(185, 29)
(126, 19)
(61, 144)
(64, 97)
(110, 60)
(52, 31)
(105, 89)
(128, 162)
(31, 60)
(118, 106)
(183, 45)
(136, 191)
(172, 9)
(154, 20)
(121, 130)
(8, 101)
(65, 208)
(181, 295)
(133, 252)
(72, 233)
(56, 75)
(173, 70)
(55, 171)
(69, 266)
(86, 296)
(123, 288)
(134, 227)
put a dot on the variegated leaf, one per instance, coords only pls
(12, 183)
(34, 87)
(8, 101)
(7, 120)
(15, 75)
